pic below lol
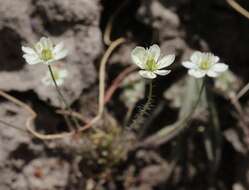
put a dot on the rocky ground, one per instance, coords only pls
(106, 159)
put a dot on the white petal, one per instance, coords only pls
(46, 43)
(58, 47)
(196, 73)
(212, 73)
(60, 55)
(189, 65)
(214, 59)
(31, 59)
(155, 51)
(196, 56)
(166, 61)
(219, 67)
(139, 57)
(28, 50)
(147, 74)
(162, 72)
(38, 47)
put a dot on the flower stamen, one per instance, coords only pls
(205, 65)
(46, 54)
(151, 64)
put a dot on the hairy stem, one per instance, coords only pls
(169, 132)
(139, 119)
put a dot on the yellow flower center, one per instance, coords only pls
(46, 54)
(151, 64)
(205, 65)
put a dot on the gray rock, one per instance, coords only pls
(74, 23)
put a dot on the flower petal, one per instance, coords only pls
(196, 56)
(38, 47)
(60, 55)
(212, 73)
(219, 67)
(166, 61)
(147, 74)
(214, 59)
(139, 57)
(28, 50)
(162, 72)
(155, 51)
(30, 59)
(196, 73)
(58, 47)
(189, 65)
(46, 43)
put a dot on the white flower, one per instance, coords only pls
(59, 75)
(202, 64)
(44, 51)
(148, 61)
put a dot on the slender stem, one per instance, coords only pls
(140, 116)
(238, 8)
(243, 91)
(213, 133)
(150, 91)
(57, 88)
(13, 126)
(66, 104)
(169, 132)
(197, 101)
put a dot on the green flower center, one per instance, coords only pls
(46, 54)
(151, 64)
(205, 65)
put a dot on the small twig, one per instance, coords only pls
(13, 126)
(74, 114)
(238, 8)
(103, 63)
(17, 102)
(108, 29)
(117, 81)
(242, 92)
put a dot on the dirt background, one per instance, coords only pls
(107, 160)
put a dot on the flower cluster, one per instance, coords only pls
(147, 59)
(200, 64)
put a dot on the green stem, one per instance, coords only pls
(66, 104)
(213, 133)
(169, 132)
(197, 101)
(57, 88)
(140, 116)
